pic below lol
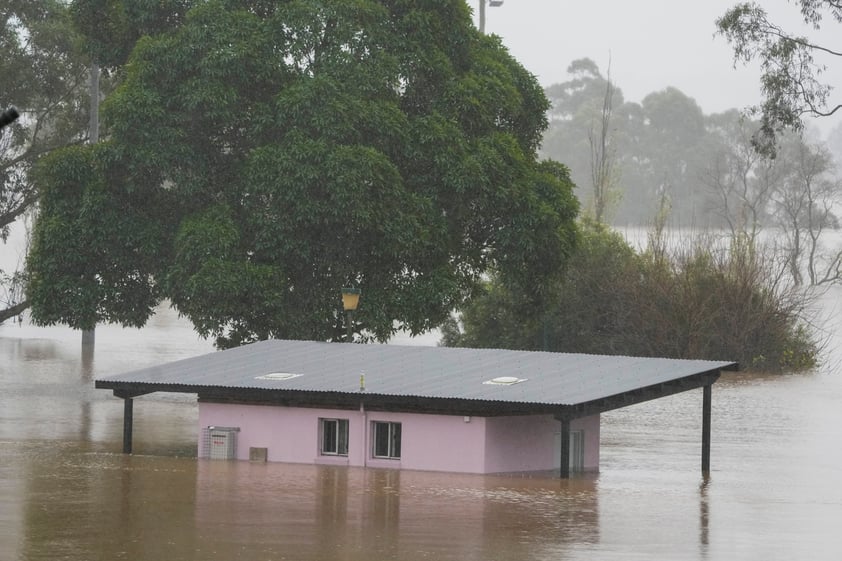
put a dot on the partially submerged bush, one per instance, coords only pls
(699, 300)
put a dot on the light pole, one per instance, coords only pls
(350, 300)
(493, 4)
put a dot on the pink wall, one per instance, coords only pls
(520, 443)
(291, 434)
(429, 442)
(436, 442)
(532, 443)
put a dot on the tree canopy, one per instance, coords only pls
(656, 147)
(791, 64)
(110, 28)
(705, 169)
(262, 155)
(43, 77)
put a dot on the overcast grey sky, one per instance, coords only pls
(652, 44)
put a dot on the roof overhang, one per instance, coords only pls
(410, 403)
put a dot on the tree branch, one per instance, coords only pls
(779, 33)
(13, 311)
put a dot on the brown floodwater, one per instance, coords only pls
(66, 493)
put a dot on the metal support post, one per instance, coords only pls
(128, 406)
(706, 407)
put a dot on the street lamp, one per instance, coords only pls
(491, 3)
(350, 300)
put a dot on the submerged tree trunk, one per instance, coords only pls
(89, 335)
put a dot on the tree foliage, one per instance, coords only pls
(686, 299)
(795, 195)
(644, 151)
(791, 65)
(587, 115)
(805, 205)
(665, 153)
(587, 315)
(94, 246)
(43, 77)
(110, 28)
(263, 155)
(740, 179)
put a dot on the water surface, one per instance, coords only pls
(775, 491)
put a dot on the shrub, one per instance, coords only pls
(695, 299)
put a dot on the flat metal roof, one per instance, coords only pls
(427, 373)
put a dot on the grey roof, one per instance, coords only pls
(425, 372)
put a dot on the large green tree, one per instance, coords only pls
(791, 64)
(43, 77)
(262, 155)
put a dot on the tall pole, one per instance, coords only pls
(706, 411)
(482, 4)
(350, 335)
(128, 420)
(89, 335)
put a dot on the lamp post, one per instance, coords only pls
(350, 300)
(493, 4)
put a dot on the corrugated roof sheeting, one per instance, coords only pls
(431, 372)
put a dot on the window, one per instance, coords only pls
(334, 437)
(387, 439)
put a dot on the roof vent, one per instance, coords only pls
(278, 376)
(505, 381)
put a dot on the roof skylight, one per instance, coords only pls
(277, 376)
(505, 381)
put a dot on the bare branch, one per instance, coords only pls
(13, 311)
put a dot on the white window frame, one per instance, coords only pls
(393, 439)
(340, 426)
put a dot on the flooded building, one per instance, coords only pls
(419, 408)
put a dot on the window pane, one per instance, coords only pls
(329, 436)
(381, 440)
(342, 446)
(396, 440)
